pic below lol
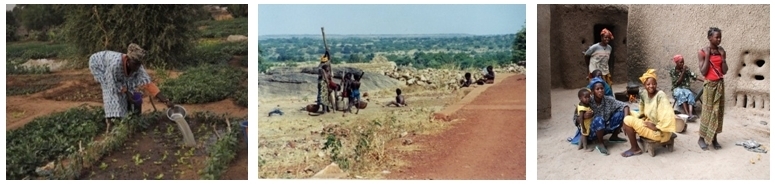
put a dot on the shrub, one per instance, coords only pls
(224, 28)
(238, 10)
(165, 31)
(36, 50)
(203, 84)
(49, 138)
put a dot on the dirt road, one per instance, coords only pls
(488, 142)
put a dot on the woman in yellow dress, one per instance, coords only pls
(656, 120)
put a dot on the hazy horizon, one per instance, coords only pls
(274, 20)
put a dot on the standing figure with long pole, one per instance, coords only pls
(324, 98)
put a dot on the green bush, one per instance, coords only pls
(235, 48)
(264, 66)
(223, 152)
(167, 32)
(36, 50)
(10, 33)
(202, 56)
(49, 138)
(241, 97)
(224, 28)
(217, 52)
(203, 84)
(238, 10)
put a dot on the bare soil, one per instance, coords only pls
(489, 143)
(49, 93)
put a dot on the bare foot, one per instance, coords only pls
(702, 144)
(716, 145)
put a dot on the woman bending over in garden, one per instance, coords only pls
(120, 76)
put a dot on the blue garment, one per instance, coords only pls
(276, 111)
(355, 95)
(608, 91)
(598, 123)
(683, 95)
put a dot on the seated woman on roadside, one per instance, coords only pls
(599, 75)
(656, 120)
(607, 117)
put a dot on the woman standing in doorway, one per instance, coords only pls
(713, 65)
(598, 54)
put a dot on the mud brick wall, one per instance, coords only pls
(657, 32)
(576, 27)
(544, 62)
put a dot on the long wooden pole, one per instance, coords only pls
(324, 39)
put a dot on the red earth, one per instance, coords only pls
(488, 142)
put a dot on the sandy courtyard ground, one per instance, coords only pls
(558, 159)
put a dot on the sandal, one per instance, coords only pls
(692, 118)
(616, 140)
(602, 150)
(629, 153)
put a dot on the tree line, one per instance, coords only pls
(419, 51)
(167, 31)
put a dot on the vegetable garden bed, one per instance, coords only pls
(29, 84)
(158, 153)
(81, 91)
(50, 138)
(204, 84)
(72, 145)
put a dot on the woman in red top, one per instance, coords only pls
(713, 65)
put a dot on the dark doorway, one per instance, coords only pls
(597, 29)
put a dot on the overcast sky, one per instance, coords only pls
(9, 7)
(391, 19)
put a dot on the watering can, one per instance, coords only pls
(178, 114)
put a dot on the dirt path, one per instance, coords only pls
(489, 142)
(558, 159)
(22, 109)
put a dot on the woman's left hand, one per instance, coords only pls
(651, 126)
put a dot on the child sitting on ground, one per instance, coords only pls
(467, 81)
(400, 101)
(488, 76)
(582, 121)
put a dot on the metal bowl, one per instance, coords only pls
(177, 109)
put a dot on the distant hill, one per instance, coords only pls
(263, 37)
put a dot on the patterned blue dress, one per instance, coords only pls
(108, 69)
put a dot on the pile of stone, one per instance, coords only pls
(442, 78)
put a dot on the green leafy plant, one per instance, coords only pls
(224, 28)
(203, 84)
(223, 151)
(241, 97)
(35, 50)
(50, 138)
(334, 145)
